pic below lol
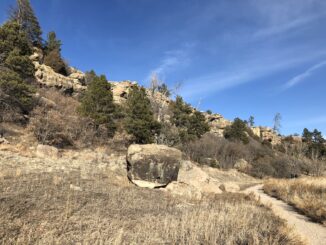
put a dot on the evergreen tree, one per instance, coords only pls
(197, 125)
(140, 122)
(315, 142)
(251, 121)
(52, 43)
(15, 94)
(191, 124)
(53, 55)
(20, 64)
(180, 113)
(15, 68)
(237, 131)
(97, 103)
(11, 37)
(24, 14)
(306, 135)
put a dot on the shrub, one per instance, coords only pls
(97, 103)
(237, 131)
(169, 135)
(140, 122)
(217, 149)
(61, 125)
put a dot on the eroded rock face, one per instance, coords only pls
(153, 165)
(217, 123)
(267, 134)
(46, 76)
(121, 90)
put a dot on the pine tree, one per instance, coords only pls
(251, 121)
(15, 95)
(24, 14)
(140, 122)
(52, 43)
(97, 103)
(191, 124)
(237, 131)
(197, 125)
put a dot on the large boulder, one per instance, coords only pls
(153, 165)
(193, 175)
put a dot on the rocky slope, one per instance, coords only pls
(74, 84)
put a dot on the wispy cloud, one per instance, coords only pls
(285, 27)
(301, 77)
(172, 60)
(249, 72)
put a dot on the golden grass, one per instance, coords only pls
(306, 194)
(43, 209)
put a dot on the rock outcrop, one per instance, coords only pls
(153, 165)
(217, 123)
(267, 134)
(193, 182)
(121, 90)
(46, 76)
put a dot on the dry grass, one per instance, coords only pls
(306, 194)
(44, 209)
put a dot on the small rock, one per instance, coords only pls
(75, 188)
(4, 141)
(46, 151)
(183, 190)
(230, 187)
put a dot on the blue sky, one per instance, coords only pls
(237, 58)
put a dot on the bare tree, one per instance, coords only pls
(277, 122)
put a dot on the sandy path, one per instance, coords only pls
(314, 233)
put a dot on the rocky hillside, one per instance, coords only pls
(75, 83)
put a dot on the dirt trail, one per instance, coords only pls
(314, 233)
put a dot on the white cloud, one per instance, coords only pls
(250, 72)
(173, 60)
(301, 77)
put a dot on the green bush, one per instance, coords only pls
(140, 122)
(97, 103)
(237, 131)
(191, 123)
